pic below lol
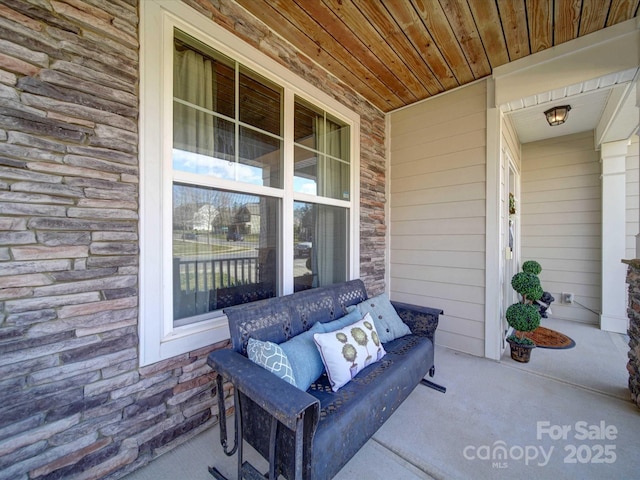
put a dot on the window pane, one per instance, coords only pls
(195, 147)
(260, 159)
(224, 250)
(305, 178)
(203, 76)
(203, 85)
(321, 239)
(207, 137)
(260, 102)
(321, 153)
(316, 174)
(337, 139)
(306, 118)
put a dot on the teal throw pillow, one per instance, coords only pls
(304, 357)
(352, 317)
(388, 324)
(272, 358)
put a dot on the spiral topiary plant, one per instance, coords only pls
(524, 316)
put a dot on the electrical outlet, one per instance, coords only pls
(567, 297)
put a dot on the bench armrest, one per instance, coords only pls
(280, 399)
(422, 321)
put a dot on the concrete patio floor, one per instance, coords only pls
(566, 414)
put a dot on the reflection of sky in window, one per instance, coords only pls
(190, 162)
(304, 185)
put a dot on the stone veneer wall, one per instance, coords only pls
(633, 366)
(74, 402)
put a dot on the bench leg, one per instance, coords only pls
(215, 473)
(430, 384)
(435, 386)
(245, 469)
(222, 422)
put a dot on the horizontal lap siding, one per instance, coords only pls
(437, 211)
(633, 198)
(561, 221)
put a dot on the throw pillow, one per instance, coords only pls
(389, 325)
(272, 358)
(304, 357)
(347, 351)
(350, 318)
(303, 354)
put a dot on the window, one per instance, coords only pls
(225, 248)
(247, 182)
(227, 125)
(321, 250)
(321, 153)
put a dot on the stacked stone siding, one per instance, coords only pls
(74, 401)
(633, 366)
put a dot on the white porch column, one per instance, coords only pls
(493, 338)
(614, 288)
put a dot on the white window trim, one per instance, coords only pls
(159, 339)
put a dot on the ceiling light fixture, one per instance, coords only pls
(557, 115)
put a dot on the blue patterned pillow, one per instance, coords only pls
(271, 357)
(388, 323)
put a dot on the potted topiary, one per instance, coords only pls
(524, 316)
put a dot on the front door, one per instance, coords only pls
(510, 229)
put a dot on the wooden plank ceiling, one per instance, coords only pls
(397, 52)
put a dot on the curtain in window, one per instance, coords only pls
(330, 242)
(194, 81)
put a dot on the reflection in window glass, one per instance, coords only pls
(202, 76)
(195, 153)
(208, 137)
(321, 153)
(260, 158)
(224, 250)
(260, 102)
(305, 168)
(321, 239)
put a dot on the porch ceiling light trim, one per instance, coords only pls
(557, 115)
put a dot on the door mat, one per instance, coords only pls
(547, 338)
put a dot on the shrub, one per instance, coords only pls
(527, 285)
(531, 266)
(523, 317)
